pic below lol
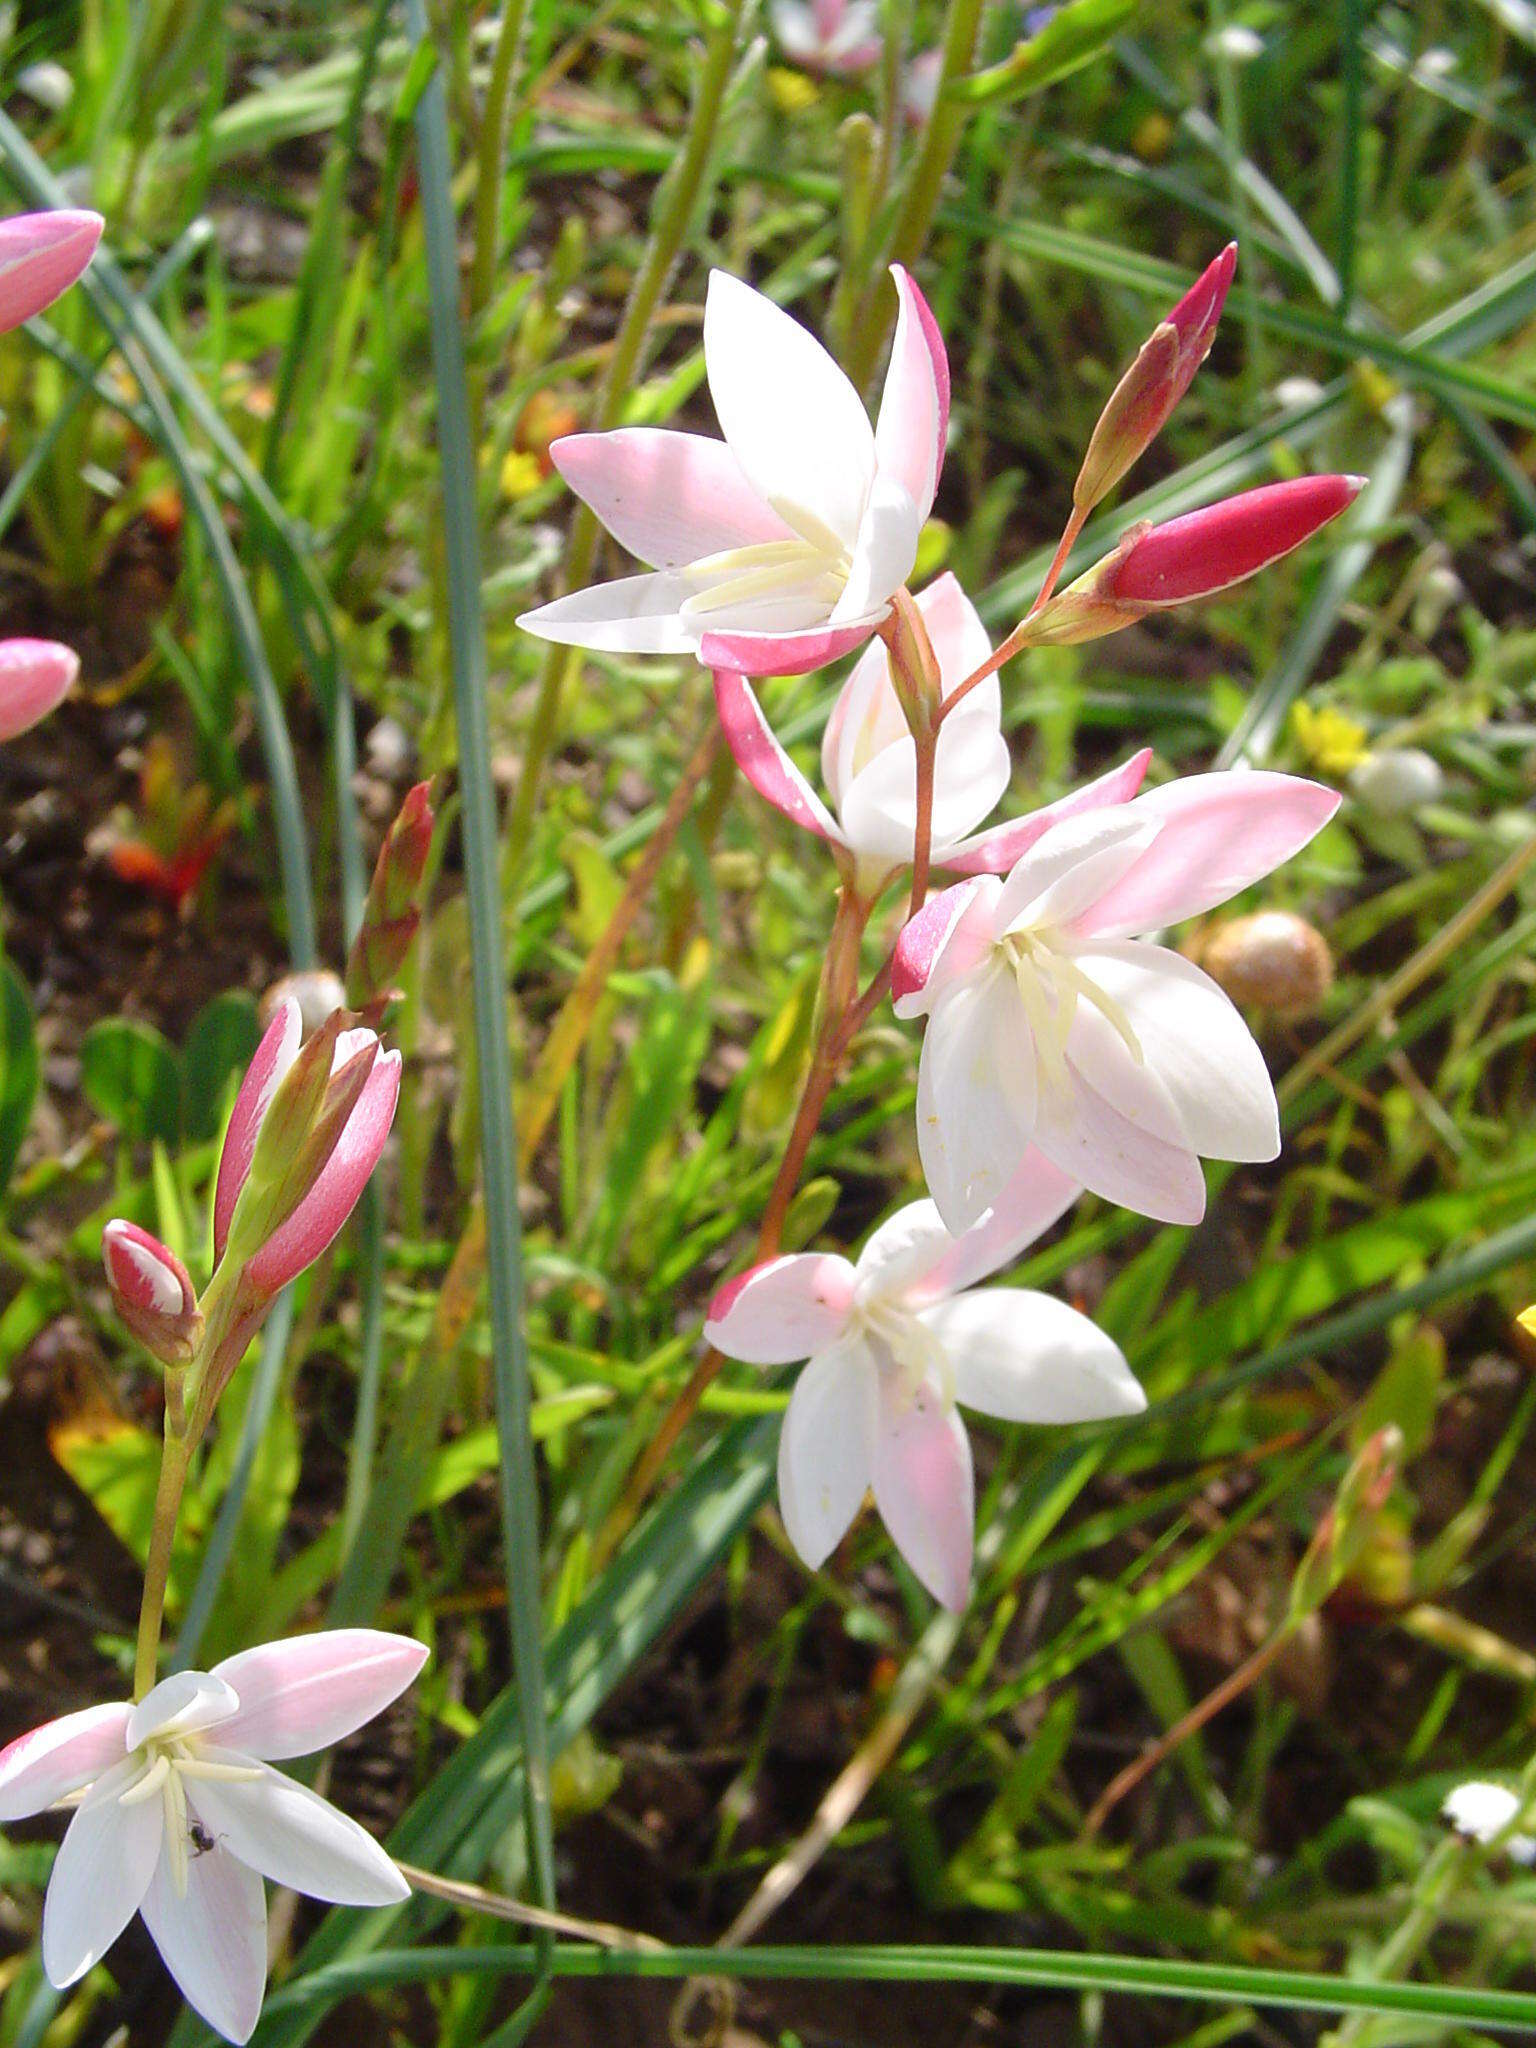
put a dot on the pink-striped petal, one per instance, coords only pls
(1070, 868)
(914, 405)
(45, 1765)
(996, 851)
(1220, 832)
(783, 1309)
(273, 1057)
(35, 678)
(213, 1937)
(301, 1695)
(925, 1489)
(940, 945)
(764, 762)
(1115, 1128)
(317, 1219)
(41, 255)
(785, 654)
(1038, 1195)
(669, 498)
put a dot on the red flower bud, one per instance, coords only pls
(1208, 550)
(1163, 371)
(151, 1291)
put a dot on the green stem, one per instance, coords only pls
(175, 1458)
(676, 199)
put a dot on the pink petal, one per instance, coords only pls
(301, 1695)
(1037, 1196)
(1220, 833)
(781, 1310)
(1115, 1128)
(946, 939)
(1070, 868)
(40, 1768)
(317, 1219)
(669, 498)
(41, 255)
(996, 851)
(764, 762)
(960, 641)
(914, 406)
(925, 1490)
(145, 1273)
(786, 654)
(35, 677)
(272, 1059)
(1211, 549)
(214, 1940)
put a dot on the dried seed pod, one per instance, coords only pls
(1271, 960)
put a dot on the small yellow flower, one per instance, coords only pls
(1153, 138)
(791, 91)
(1331, 742)
(520, 474)
(1527, 1320)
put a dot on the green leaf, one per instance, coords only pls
(1073, 36)
(18, 1067)
(219, 1043)
(132, 1078)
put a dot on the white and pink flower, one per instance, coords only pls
(1054, 1022)
(780, 547)
(179, 1815)
(35, 678)
(838, 37)
(893, 1343)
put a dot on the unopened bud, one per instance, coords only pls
(1140, 403)
(41, 255)
(35, 677)
(316, 990)
(1156, 567)
(393, 910)
(1270, 960)
(152, 1292)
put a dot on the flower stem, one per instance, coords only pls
(175, 1457)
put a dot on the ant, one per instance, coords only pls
(201, 1840)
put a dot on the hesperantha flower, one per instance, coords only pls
(869, 760)
(893, 1343)
(780, 547)
(179, 1814)
(41, 255)
(841, 37)
(1054, 1021)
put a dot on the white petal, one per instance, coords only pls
(910, 426)
(1114, 1127)
(302, 1695)
(100, 1875)
(1071, 865)
(1038, 1194)
(40, 1768)
(1028, 1358)
(901, 1252)
(947, 941)
(883, 553)
(866, 718)
(1197, 1044)
(972, 768)
(213, 1941)
(633, 615)
(961, 643)
(827, 1449)
(182, 1704)
(781, 1310)
(975, 1096)
(667, 497)
(296, 1838)
(925, 1489)
(794, 422)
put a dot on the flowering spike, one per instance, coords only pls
(1140, 403)
(35, 677)
(151, 1291)
(41, 255)
(393, 910)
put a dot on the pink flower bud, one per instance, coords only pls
(151, 1291)
(393, 910)
(35, 676)
(1208, 550)
(41, 255)
(276, 1053)
(1140, 403)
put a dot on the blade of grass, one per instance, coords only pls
(466, 641)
